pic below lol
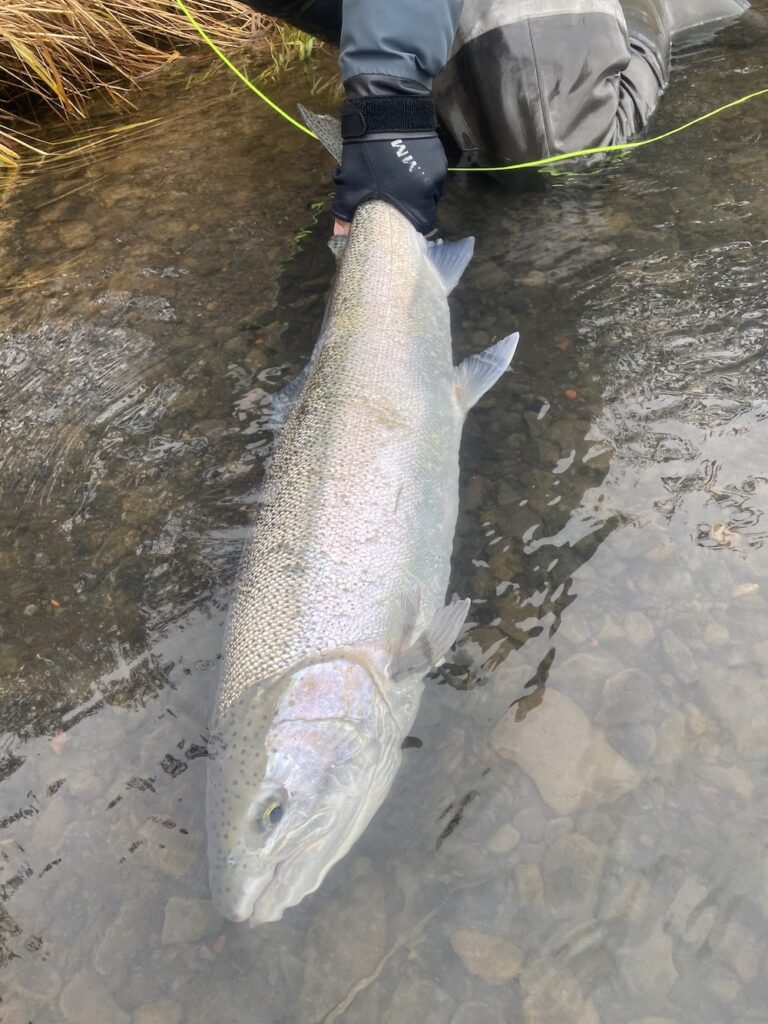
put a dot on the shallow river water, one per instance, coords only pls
(579, 832)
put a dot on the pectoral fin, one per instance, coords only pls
(430, 647)
(478, 373)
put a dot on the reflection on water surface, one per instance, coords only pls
(578, 831)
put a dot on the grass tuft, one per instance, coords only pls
(55, 54)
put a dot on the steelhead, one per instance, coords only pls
(339, 609)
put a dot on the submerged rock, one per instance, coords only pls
(166, 1011)
(124, 938)
(569, 760)
(490, 957)
(187, 920)
(553, 996)
(505, 840)
(478, 1013)
(419, 1000)
(649, 969)
(688, 897)
(572, 872)
(85, 1001)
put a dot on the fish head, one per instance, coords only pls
(283, 811)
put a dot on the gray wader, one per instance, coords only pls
(525, 79)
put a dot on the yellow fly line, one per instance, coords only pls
(619, 147)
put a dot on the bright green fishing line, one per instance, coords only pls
(243, 77)
(619, 147)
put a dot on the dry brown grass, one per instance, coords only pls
(57, 53)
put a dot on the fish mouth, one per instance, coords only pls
(245, 908)
(263, 905)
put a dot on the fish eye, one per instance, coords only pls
(270, 813)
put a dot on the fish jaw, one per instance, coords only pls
(328, 760)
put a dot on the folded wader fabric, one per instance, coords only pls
(526, 79)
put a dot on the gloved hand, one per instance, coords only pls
(391, 152)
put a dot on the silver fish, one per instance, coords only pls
(339, 609)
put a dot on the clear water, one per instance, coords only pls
(578, 832)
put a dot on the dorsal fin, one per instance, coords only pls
(326, 128)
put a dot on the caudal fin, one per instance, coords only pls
(478, 373)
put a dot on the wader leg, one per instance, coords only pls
(319, 17)
(534, 78)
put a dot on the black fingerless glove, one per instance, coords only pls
(391, 152)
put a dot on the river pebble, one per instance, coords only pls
(553, 995)
(35, 979)
(124, 938)
(354, 926)
(165, 1011)
(741, 947)
(740, 700)
(85, 1000)
(490, 957)
(419, 1000)
(649, 968)
(478, 1013)
(630, 900)
(188, 920)
(570, 761)
(688, 898)
(505, 840)
(572, 873)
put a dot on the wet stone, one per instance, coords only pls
(34, 979)
(649, 969)
(724, 985)
(727, 779)
(671, 741)
(530, 885)
(492, 958)
(353, 924)
(505, 840)
(569, 760)
(740, 700)
(124, 938)
(86, 1000)
(629, 699)
(656, 1020)
(417, 999)
(630, 901)
(76, 234)
(530, 823)
(700, 928)
(572, 871)
(166, 1011)
(688, 897)
(554, 996)
(638, 629)
(188, 920)
(682, 661)
(478, 1013)
(740, 947)
(16, 1011)
(167, 850)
